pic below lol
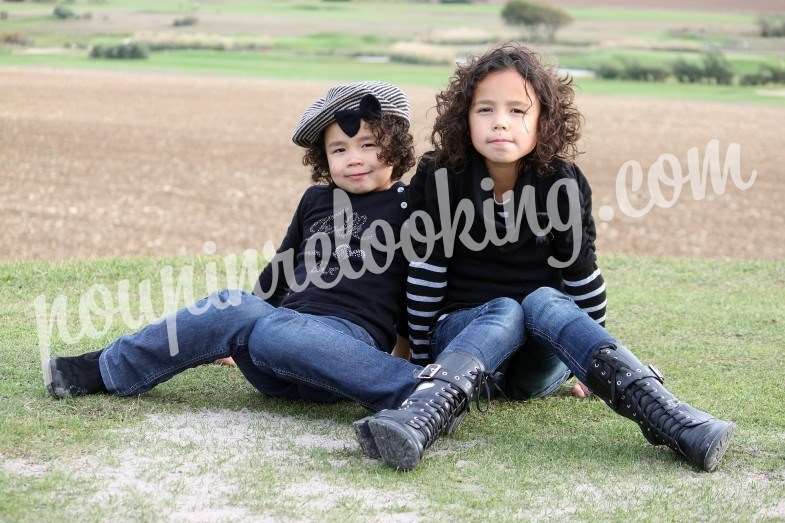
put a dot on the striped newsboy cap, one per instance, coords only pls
(321, 113)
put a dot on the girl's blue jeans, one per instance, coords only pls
(287, 354)
(560, 340)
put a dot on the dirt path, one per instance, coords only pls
(99, 164)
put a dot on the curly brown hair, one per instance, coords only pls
(396, 148)
(558, 127)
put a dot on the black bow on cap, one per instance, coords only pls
(349, 119)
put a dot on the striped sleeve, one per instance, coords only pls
(582, 280)
(426, 284)
(589, 294)
(426, 281)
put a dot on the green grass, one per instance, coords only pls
(330, 43)
(741, 63)
(368, 9)
(603, 14)
(715, 328)
(676, 91)
(346, 29)
(274, 64)
(281, 64)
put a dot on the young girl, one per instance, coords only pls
(505, 131)
(317, 336)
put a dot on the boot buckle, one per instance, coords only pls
(429, 371)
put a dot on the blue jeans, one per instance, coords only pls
(534, 371)
(555, 323)
(281, 352)
(483, 330)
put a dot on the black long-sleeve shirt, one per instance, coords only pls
(446, 281)
(372, 301)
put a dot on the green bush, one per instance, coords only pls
(609, 72)
(62, 12)
(632, 70)
(717, 68)
(125, 51)
(713, 68)
(771, 26)
(687, 72)
(536, 17)
(644, 73)
(767, 74)
(775, 72)
(185, 21)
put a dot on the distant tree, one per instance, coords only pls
(124, 51)
(687, 72)
(536, 17)
(185, 21)
(62, 12)
(771, 26)
(716, 67)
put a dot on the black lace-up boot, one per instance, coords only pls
(399, 437)
(635, 391)
(75, 375)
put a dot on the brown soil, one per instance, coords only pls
(98, 164)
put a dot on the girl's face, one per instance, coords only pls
(503, 118)
(354, 161)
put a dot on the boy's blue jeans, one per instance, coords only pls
(287, 354)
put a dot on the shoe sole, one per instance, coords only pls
(365, 439)
(717, 448)
(396, 447)
(55, 386)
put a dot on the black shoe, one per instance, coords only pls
(75, 375)
(635, 391)
(401, 436)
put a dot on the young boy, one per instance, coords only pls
(326, 326)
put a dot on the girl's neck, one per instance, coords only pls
(503, 175)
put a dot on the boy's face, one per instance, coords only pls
(503, 117)
(354, 162)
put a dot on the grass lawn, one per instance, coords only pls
(368, 10)
(287, 66)
(313, 40)
(205, 445)
(741, 63)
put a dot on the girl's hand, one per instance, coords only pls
(401, 349)
(226, 362)
(579, 390)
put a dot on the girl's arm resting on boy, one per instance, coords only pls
(426, 281)
(425, 288)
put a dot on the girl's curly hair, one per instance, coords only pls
(558, 127)
(395, 142)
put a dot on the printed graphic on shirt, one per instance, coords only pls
(350, 229)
